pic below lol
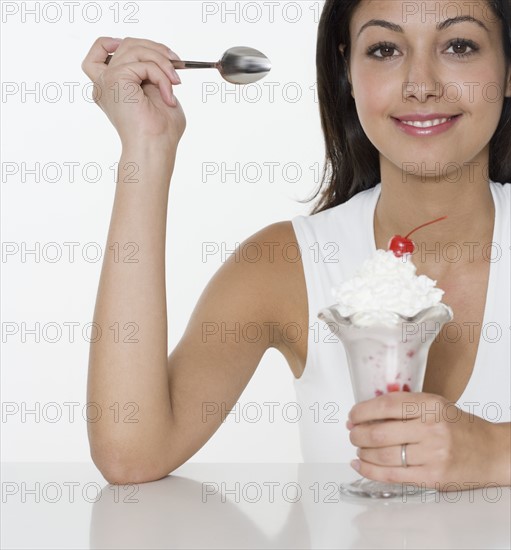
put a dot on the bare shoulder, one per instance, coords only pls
(268, 265)
(281, 256)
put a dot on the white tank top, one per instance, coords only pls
(333, 244)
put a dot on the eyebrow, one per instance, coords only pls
(439, 27)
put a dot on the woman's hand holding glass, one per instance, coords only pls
(446, 447)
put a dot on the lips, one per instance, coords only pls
(428, 123)
(415, 117)
(430, 127)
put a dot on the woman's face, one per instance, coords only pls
(419, 71)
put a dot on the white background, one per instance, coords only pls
(42, 128)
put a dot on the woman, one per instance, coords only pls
(386, 178)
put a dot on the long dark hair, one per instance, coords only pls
(351, 161)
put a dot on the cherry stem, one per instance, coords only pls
(424, 225)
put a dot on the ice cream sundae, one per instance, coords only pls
(387, 318)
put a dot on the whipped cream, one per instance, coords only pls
(386, 285)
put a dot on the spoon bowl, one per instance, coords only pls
(243, 65)
(238, 65)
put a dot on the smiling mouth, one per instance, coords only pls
(427, 123)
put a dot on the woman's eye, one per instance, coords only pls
(385, 48)
(463, 45)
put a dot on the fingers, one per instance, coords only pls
(394, 474)
(391, 456)
(378, 408)
(130, 42)
(142, 53)
(94, 63)
(150, 71)
(132, 49)
(397, 405)
(173, 55)
(388, 433)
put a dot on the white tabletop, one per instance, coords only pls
(69, 505)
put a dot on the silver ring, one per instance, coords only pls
(403, 455)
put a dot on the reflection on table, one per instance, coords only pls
(240, 506)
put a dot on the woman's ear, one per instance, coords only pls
(342, 48)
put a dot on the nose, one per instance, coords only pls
(421, 78)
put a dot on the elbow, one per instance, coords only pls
(125, 469)
(128, 474)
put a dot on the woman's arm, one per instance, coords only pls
(180, 401)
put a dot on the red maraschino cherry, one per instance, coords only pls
(403, 245)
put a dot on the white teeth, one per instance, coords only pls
(427, 123)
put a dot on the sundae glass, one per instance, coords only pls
(387, 317)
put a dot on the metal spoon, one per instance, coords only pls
(239, 65)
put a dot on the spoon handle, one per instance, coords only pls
(180, 64)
